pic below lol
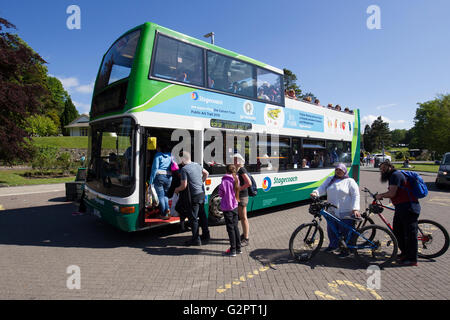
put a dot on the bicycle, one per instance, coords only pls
(371, 245)
(432, 237)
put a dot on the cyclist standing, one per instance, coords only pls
(407, 210)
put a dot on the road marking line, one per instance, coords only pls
(241, 279)
(26, 193)
(324, 295)
(333, 286)
(1, 207)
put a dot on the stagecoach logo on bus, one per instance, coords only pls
(196, 96)
(267, 182)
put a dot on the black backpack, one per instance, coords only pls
(253, 189)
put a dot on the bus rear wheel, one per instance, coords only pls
(215, 215)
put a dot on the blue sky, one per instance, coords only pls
(326, 43)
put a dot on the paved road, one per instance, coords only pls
(40, 240)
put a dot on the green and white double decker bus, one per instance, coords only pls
(157, 84)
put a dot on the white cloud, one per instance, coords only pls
(82, 107)
(87, 88)
(69, 82)
(72, 84)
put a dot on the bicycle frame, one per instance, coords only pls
(386, 222)
(329, 217)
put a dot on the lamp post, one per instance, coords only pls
(210, 35)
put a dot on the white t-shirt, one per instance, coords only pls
(343, 193)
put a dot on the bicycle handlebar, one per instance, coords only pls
(323, 203)
(371, 194)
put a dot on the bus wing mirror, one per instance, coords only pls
(151, 143)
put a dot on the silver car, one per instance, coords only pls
(443, 176)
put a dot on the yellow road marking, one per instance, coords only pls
(1, 207)
(241, 279)
(333, 286)
(324, 295)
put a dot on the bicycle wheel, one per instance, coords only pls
(375, 246)
(306, 241)
(432, 239)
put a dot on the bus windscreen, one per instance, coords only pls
(118, 60)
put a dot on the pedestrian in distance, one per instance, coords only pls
(194, 175)
(229, 192)
(244, 184)
(407, 210)
(343, 192)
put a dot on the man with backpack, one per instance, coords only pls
(402, 192)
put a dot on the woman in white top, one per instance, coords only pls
(343, 192)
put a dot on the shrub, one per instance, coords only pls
(64, 162)
(44, 159)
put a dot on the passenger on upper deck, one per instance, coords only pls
(330, 106)
(337, 108)
(317, 102)
(291, 94)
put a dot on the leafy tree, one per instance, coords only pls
(368, 143)
(398, 136)
(377, 135)
(58, 95)
(290, 82)
(40, 126)
(69, 114)
(22, 92)
(432, 124)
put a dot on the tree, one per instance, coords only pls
(22, 92)
(58, 96)
(40, 126)
(69, 114)
(432, 124)
(368, 144)
(290, 82)
(398, 136)
(377, 136)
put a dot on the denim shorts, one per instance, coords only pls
(243, 201)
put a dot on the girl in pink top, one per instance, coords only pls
(229, 192)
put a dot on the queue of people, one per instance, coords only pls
(187, 182)
(186, 185)
(291, 95)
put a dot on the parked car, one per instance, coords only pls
(443, 176)
(379, 158)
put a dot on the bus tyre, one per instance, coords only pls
(215, 215)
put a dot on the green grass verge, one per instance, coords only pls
(71, 142)
(14, 178)
(421, 167)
